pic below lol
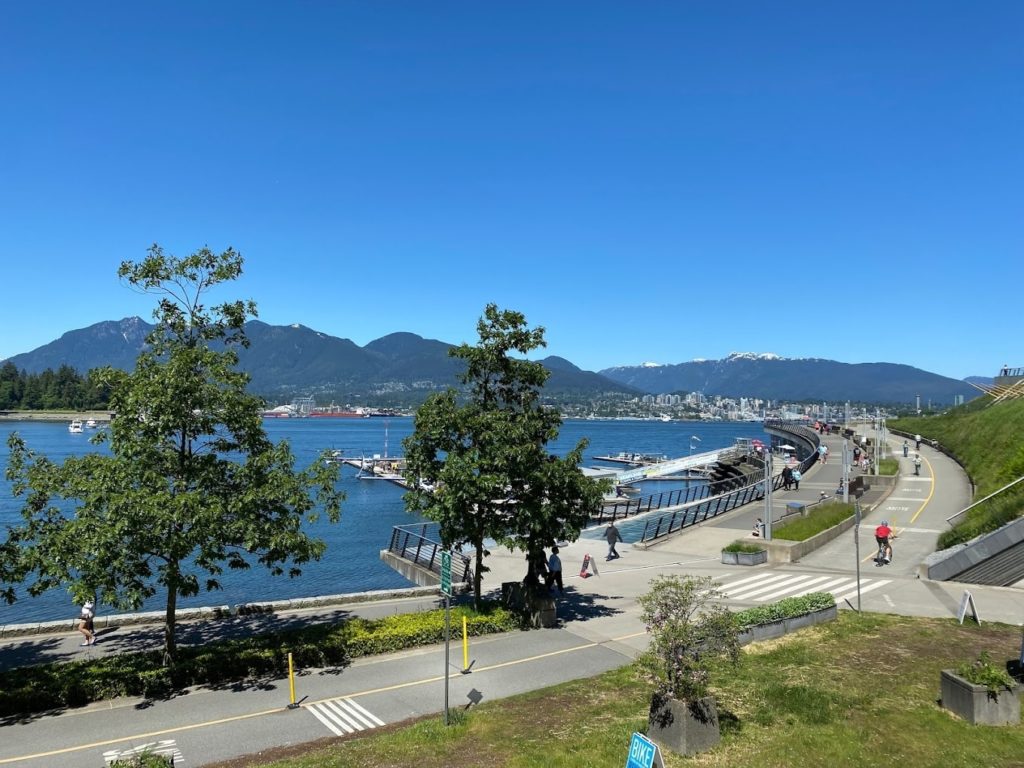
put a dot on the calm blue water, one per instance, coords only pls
(371, 509)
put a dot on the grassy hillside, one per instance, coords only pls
(858, 691)
(988, 439)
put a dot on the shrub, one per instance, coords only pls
(786, 608)
(984, 672)
(819, 519)
(687, 633)
(51, 686)
(743, 546)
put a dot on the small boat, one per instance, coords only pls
(75, 427)
(91, 424)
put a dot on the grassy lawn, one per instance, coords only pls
(820, 518)
(833, 695)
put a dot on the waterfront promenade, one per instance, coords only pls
(599, 630)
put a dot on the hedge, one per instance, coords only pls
(73, 684)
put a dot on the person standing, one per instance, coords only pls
(555, 571)
(85, 625)
(796, 479)
(613, 536)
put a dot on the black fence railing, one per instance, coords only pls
(421, 544)
(688, 514)
(620, 510)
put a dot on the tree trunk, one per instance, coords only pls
(170, 616)
(478, 575)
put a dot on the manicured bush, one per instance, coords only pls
(743, 546)
(786, 608)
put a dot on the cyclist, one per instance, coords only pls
(883, 537)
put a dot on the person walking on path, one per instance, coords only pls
(917, 441)
(613, 536)
(555, 571)
(823, 453)
(917, 463)
(787, 478)
(85, 625)
(796, 478)
(906, 448)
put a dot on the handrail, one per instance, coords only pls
(424, 551)
(965, 510)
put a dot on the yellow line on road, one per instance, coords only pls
(930, 493)
(279, 710)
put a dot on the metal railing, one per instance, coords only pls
(620, 510)
(965, 510)
(698, 512)
(421, 544)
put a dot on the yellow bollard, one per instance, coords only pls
(465, 646)
(291, 682)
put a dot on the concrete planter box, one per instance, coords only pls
(745, 558)
(780, 628)
(685, 727)
(976, 705)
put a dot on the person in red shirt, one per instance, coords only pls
(883, 537)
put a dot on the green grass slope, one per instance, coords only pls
(988, 439)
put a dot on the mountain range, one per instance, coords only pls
(402, 368)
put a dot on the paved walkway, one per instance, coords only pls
(599, 630)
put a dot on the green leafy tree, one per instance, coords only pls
(192, 484)
(480, 468)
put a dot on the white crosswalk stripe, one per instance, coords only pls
(165, 748)
(768, 586)
(343, 716)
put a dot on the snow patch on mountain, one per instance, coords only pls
(754, 356)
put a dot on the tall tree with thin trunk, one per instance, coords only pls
(478, 463)
(191, 485)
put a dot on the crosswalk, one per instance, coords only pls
(166, 748)
(768, 586)
(343, 716)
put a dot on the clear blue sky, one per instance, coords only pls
(648, 181)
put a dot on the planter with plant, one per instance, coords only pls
(744, 553)
(982, 693)
(687, 633)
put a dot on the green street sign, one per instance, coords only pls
(446, 574)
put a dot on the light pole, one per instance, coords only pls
(767, 494)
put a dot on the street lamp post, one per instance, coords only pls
(767, 494)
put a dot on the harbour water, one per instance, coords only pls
(371, 508)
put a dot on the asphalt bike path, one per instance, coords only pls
(600, 629)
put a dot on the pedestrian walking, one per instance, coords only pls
(906, 448)
(917, 441)
(555, 571)
(917, 463)
(787, 478)
(796, 479)
(85, 625)
(612, 535)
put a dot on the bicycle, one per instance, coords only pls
(880, 555)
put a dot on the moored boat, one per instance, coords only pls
(75, 427)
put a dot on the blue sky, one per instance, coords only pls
(648, 181)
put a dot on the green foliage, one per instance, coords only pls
(52, 686)
(481, 468)
(985, 437)
(888, 466)
(983, 672)
(820, 518)
(63, 389)
(192, 484)
(143, 760)
(687, 634)
(743, 546)
(787, 608)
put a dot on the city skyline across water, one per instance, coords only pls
(371, 509)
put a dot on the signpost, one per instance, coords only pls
(446, 590)
(643, 753)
